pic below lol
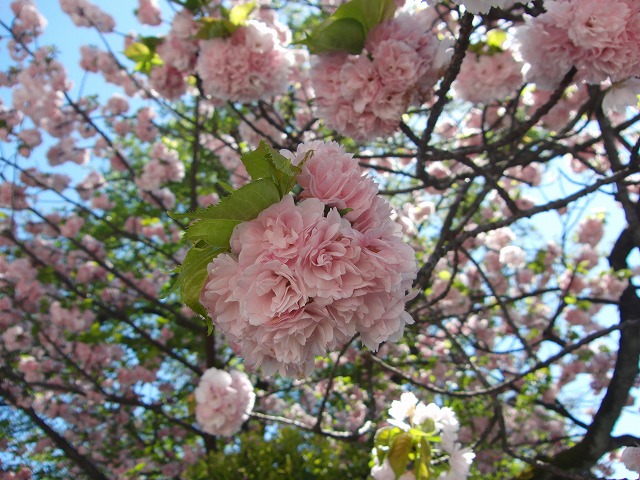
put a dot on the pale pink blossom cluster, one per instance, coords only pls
(303, 278)
(631, 458)
(178, 52)
(364, 96)
(224, 401)
(85, 14)
(410, 413)
(148, 12)
(28, 20)
(591, 230)
(249, 65)
(164, 166)
(486, 78)
(600, 39)
(12, 196)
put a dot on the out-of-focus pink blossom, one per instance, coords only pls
(85, 14)
(630, 457)
(621, 95)
(599, 38)
(591, 230)
(365, 95)
(223, 401)
(148, 12)
(486, 78)
(250, 65)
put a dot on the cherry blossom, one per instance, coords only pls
(224, 401)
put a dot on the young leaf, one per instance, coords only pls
(266, 162)
(496, 37)
(151, 42)
(137, 52)
(193, 274)
(368, 13)
(215, 28)
(257, 163)
(239, 13)
(144, 55)
(214, 232)
(384, 437)
(335, 35)
(424, 460)
(243, 204)
(399, 453)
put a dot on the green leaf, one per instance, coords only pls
(226, 187)
(385, 436)
(193, 5)
(266, 162)
(137, 52)
(215, 28)
(344, 34)
(239, 13)
(243, 204)
(214, 232)
(424, 460)
(368, 13)
(399, 453)
(495, 38)
(151, 42)
(144, 55)
(257, 162)
(193, 274)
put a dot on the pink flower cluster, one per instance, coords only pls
(601, 39)
(85, 14)
(364, 96)
(486, 78)
(164, 166)
(223, 401)
(250, 65)
(303, 278)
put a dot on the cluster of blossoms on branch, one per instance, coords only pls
(487, 77)
(410, 440)
(364, 96)
(312, 271)
(600, 39)
(251, 64)
(224, 401)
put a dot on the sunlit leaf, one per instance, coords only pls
(214, 27)
(239, 13)
(345, 34)
(495, 38)
(214, 232)
(243, 204)
(368, 13)
(193, 274)
(137, 52)
(399, 453)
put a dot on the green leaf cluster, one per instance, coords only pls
(493, 44)
(347, 29)
(289, 454)
(400, 447)
(273, 176)
(144, 54)
(227, 23)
